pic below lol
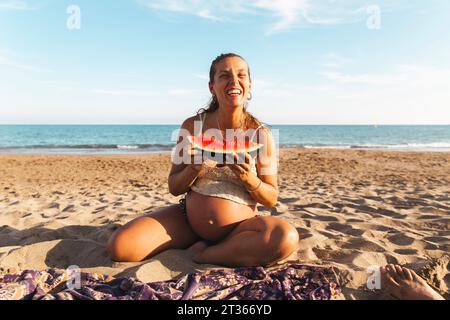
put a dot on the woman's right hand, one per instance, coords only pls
(197, 162)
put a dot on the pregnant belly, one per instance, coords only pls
(213, 218)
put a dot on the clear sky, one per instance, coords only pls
(146, 62)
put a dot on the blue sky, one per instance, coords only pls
(146, 61)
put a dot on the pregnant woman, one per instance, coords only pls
(217, 219)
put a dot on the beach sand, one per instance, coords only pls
(352, 208)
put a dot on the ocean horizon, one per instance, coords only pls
(141, 138)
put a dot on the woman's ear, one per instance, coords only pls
(211, 88)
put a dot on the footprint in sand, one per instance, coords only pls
(354, 200)
(377, 212)
(99, 209)
(288, 200)
(313, 205)
(339, 256)
(327, 234)
(304, 233)
(48, 216)
(364, 245)
(69, 208)
(62, 217)
(325, 218)
(429, 217)
(374, 198)
(437, 239)
(406, 252)
(53, 205)
(401, 240)
(346, 229)
(355, 221)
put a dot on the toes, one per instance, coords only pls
(389, 280)
(391, 270)
(414, 275)
(407, 273)
(400, 274)
(417, 278)
(394, 273)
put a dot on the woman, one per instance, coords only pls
(218, 217)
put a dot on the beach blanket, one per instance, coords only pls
(287, 282)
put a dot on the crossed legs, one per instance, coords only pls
(254, 242)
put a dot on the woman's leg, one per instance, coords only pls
(151, 234)
(255, 242)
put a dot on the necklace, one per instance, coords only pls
(218, 125)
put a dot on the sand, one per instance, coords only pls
(353, 209)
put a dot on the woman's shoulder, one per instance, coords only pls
(190, 122)
(262, 129)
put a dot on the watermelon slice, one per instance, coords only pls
(210, 144)
(220, 150)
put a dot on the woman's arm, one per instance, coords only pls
(181, 182)
(184, 171)
(262, 187)
(264, 190)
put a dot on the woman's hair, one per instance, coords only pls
(250, 122)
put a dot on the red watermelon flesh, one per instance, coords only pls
(210, 144)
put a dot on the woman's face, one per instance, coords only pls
(232, 83)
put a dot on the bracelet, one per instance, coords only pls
(259, 185)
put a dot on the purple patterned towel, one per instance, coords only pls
(287, 282)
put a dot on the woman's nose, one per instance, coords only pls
(234, 78)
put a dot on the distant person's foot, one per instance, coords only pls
(405, 284)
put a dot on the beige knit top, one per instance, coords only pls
(221, 182)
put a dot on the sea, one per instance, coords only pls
(125, 139)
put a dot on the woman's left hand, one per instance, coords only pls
(242, 167)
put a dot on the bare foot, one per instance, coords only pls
(196, 250)
(405, 284)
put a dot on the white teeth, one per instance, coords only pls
(235, 91)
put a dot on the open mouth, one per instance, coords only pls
(234, 92)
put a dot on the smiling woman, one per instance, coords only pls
(218, 218)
